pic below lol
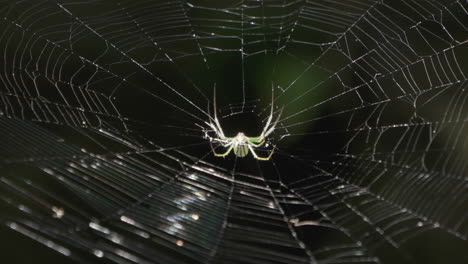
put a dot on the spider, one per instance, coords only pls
(241, 144)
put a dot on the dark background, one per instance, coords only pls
(103, 114)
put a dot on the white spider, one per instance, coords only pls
(241, 144)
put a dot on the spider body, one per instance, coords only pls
(241, 144)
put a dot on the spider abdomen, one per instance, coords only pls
(241, 150)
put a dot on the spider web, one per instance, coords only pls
(104, 156)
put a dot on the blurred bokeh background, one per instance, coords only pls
(104, 112)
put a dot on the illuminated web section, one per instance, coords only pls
(104, 154)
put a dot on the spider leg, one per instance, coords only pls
(258, 157)
(272, 128)
(214, 122)
(222, 154)
(257, 143)
(271, 110)
(224, 142)
(267, 130)
(219, 130)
